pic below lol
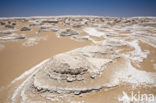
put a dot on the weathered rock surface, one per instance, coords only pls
(67, 32)
(25, 29)
(50, 21)
(77, 25)
(9, 26)
(46, 28)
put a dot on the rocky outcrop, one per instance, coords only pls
(2, 23)
(67, 32)
(77, 25)
(72, 73)
(46, 28)
(9, 26)
(50, 21)
(25, 29)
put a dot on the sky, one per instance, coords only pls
(112, 8)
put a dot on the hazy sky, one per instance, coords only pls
(119, 8)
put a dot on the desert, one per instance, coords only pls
(77, 59)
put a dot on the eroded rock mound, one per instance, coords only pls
(77, 25)
(25, 29)
(46, 28)
(72, 73)
(50, 21)
(9, 26)
(67, 32)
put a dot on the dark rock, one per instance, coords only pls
(50, 21)
(2, 23)
(13, 23)
(9, 26)
(25, 29)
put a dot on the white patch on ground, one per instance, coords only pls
(12, 36)
(98, 63)
(32, 71)
(137, 54)
(78, 37)
(6, 31)
(114, 42)
(33, 41)
(137, 77)
(94, 32)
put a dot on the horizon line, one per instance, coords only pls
(13, 17)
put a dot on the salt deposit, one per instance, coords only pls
(33, 41)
